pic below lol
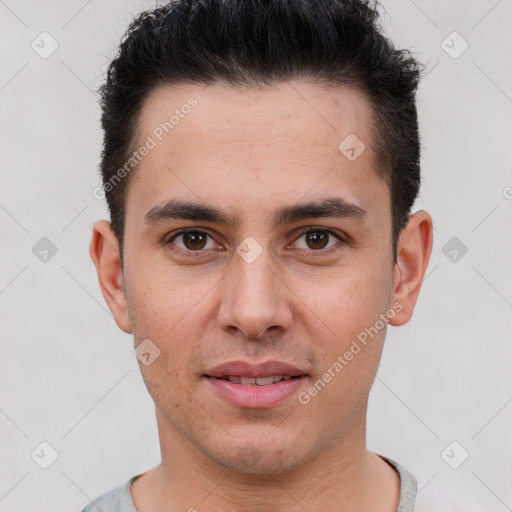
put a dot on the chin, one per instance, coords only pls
(263, 457)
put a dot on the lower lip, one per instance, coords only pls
(254, 396)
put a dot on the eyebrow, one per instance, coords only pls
(189, 210)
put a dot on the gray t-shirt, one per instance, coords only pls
(412, 498)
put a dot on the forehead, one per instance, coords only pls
(320, 113)
(214, 141)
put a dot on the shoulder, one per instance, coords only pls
(116, 500)
(417, 496)
(431, 499)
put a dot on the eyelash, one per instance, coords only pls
(311, 229)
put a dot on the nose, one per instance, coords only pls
(255, 300)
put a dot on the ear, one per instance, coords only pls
(413, 254)
(104, 251)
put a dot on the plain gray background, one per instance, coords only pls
(68, 374)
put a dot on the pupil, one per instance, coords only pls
(193, 240)
(317, 237)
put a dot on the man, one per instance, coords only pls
(260, 163)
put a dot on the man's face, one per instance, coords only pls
(286, 295)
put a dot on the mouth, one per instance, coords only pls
(255, 386)
(256, 381)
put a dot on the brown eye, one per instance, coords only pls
(193, 240)
(320, 240)
(317, 239)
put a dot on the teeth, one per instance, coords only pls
(258, 381)
(264, 381)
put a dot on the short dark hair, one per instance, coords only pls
(255, 43)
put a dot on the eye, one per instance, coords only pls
(192, 240)
(319, 239)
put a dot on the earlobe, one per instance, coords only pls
(413, 254)
(104, 252)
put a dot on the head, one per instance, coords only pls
(268, 217)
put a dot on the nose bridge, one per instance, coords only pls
(253, 298)
(252, 277)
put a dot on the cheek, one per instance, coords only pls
(160, 302)
(353, 299)
(172, 313)
(352, 309)
(167, 316)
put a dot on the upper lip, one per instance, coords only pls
(263, 369)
